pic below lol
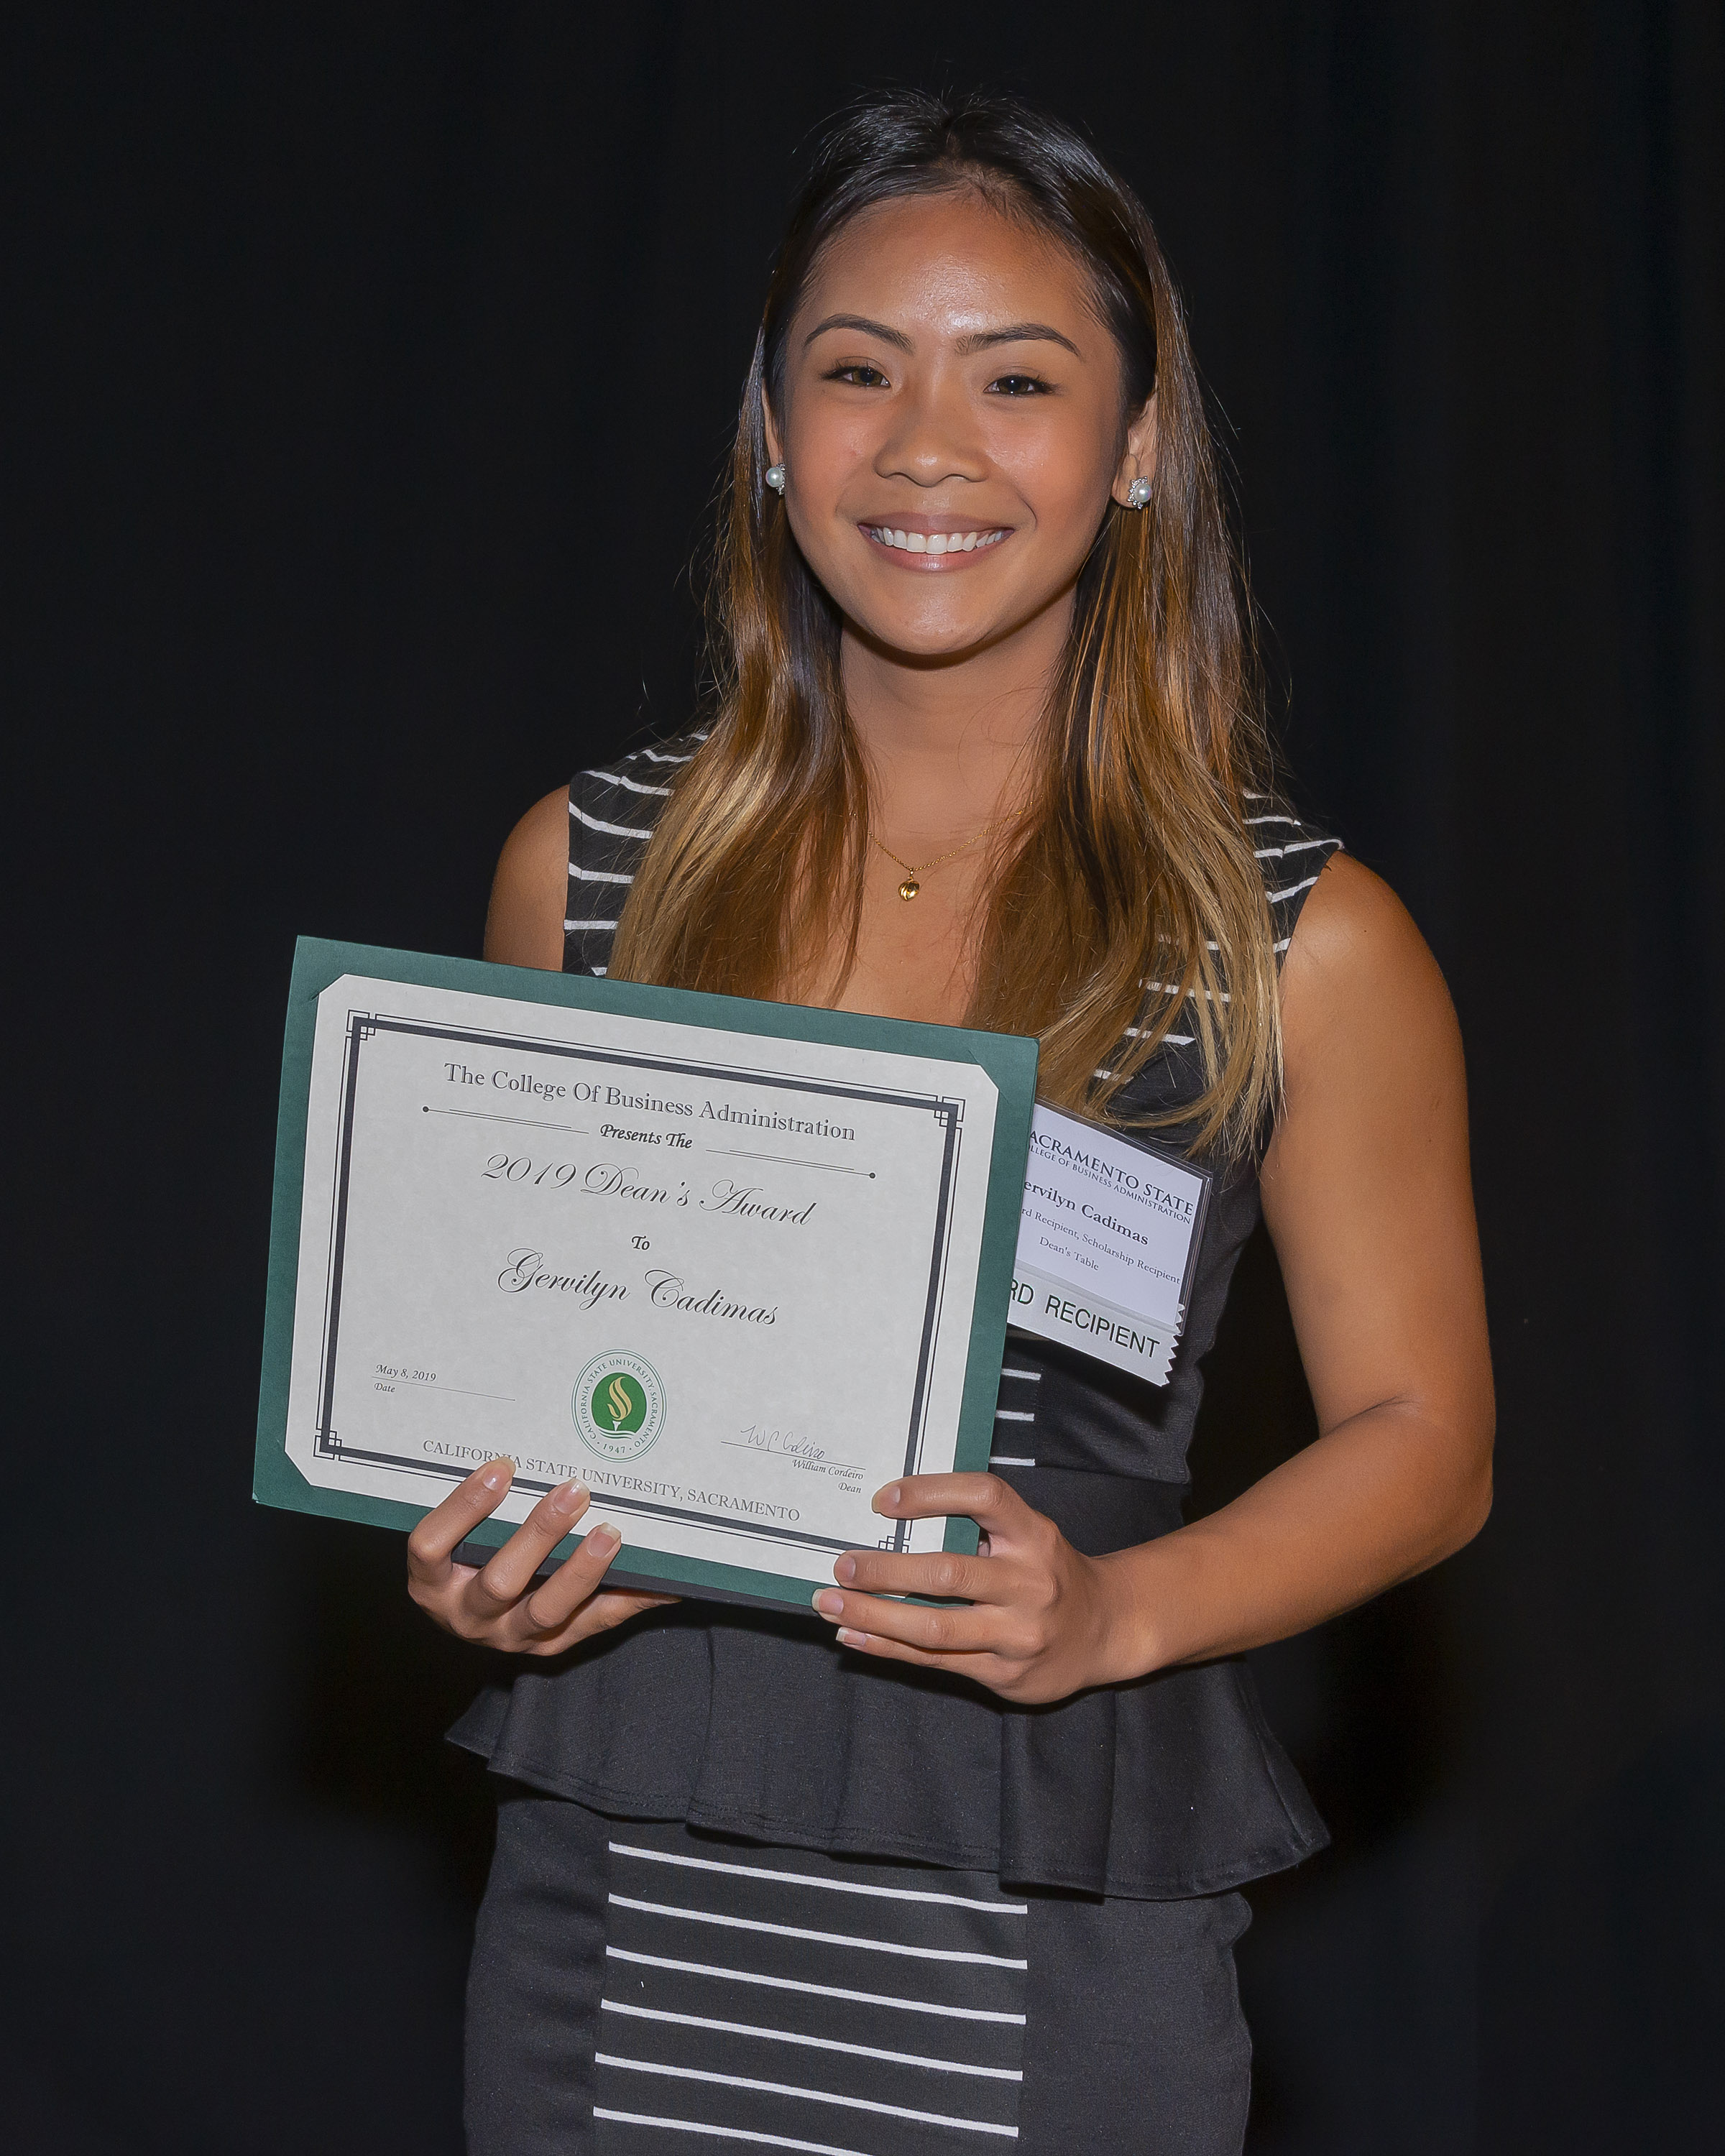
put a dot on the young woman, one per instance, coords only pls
(896, 1877)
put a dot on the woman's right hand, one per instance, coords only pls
(498, 1604)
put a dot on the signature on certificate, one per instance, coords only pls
(789, 1445)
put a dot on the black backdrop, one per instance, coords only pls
(368, 371)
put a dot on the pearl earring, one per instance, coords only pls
(775, 478)
(1137, 494)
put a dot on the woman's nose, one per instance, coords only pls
(933, 437)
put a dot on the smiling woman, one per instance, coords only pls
(984, 749)
(955, 634)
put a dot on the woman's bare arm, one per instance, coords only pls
(1368, 1201)
(1366, 1194)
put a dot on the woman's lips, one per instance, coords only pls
(935, 550)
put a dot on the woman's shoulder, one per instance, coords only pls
(567, 867)
(524, 922)
(1360, 988)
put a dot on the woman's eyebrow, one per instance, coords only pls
(978, 340)
(1018, 333)
(863, 323)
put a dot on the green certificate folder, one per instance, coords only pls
(732, 1265)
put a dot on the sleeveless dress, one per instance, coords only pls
(730, 1728)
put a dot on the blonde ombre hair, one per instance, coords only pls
(1128, 894)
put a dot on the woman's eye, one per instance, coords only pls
(860, 373)
(1019, 385)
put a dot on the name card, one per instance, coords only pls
(1107, 1241)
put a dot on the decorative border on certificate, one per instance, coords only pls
(364, 1025)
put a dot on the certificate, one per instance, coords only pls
(732, 1265)
(1107, 1243)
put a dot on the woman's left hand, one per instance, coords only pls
(1044, 1621)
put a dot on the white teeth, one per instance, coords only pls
(936, 542)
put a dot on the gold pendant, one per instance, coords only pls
(909, 888)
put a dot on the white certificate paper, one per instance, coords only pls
(728, 1280)
(1107, 1242)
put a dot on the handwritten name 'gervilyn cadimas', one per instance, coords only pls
(526, 1269)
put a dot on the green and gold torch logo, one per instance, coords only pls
(618, 1406)
(626, 1401)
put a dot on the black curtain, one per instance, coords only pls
(368, 375)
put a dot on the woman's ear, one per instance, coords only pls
(775, 454)
(1139, 461)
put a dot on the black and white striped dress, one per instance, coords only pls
(752, 1992)
(612, 817)
(773, 1915)
(642, 1988)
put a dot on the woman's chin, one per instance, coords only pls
(930, 636)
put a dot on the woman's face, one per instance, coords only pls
(950, 425)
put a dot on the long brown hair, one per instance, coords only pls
(1130, 885)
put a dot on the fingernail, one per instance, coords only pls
(847, 1638)
(888, 1498)
(605, 1535)
(494, 1478)
(845, 1569)
(829, 1604)
(567, 1497)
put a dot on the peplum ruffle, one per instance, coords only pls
(758, 1724)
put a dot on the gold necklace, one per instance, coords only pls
(912, 884)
